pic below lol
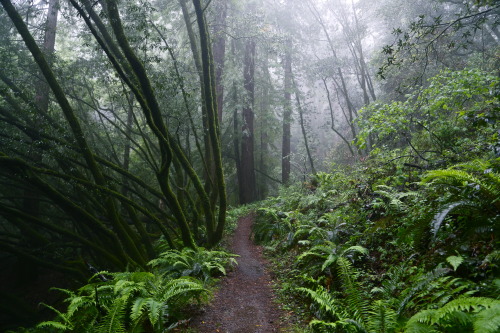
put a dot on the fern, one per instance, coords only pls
(488, 320)
(328, 307)
(420, 289)
(126, 303)
(326, 255)
(357, 304)
(432, 288)
(455, 261)
(138, 308)
(395, 200)
(352, 313)
(486, 183)
(200, 263)
(55, 325)
(271, 224)
(323, 326)
(171, 291)
(473, 189)
(156, 310)
(481, 313)
(113, 322)
(381, 317)
(441, 215)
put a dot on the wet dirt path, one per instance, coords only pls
(244, 301)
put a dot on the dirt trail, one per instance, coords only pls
(244, 301)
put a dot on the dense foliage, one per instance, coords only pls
(407, 240)
(140, 301)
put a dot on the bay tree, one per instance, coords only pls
(111, 158)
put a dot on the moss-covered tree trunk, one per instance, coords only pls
(210, 102)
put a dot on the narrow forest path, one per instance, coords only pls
(244, 301)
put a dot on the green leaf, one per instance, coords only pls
(54, 324)
(455, 261)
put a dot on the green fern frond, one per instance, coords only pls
(418, 327)
(357, 305)
(323, 300)
(61, 315)
(200, 263)
(318, 251)
(455, 261)
(156, 310)
(323, 326)
(55, 325)
(492, 258)
(349, 323)
(67, 292)
(487, 183)
(422, 317)
(482, 312)
(451, 177)
(332, 258)
(395, 200)
(182, 286)
(80, 302)
(114, 321)
(421, 288)
(441, 215)
(126, 288)
(355, 249)
(464, 304)
(382, 318)
(138, 308)
(488, 320)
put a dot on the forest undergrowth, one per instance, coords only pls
(406, 240)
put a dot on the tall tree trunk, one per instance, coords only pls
(219, 50)
(236, 125)
(247, 186)
(236, 140)
(262, 187)
(287, 117)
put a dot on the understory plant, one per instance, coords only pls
(140, 301)
(200, 263)
(365, 253)
(125, 302)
